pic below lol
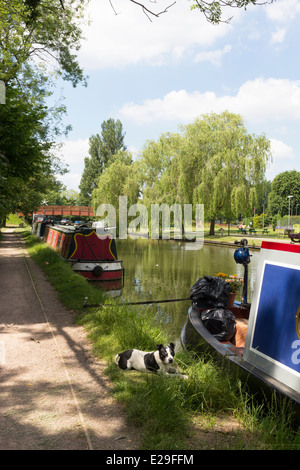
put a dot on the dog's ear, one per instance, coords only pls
(172, 346)
(159, 346)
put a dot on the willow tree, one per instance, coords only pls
(231, 166)
(159, 170)
(120, 178)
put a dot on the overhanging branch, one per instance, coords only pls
(146, 10)
(212, 9)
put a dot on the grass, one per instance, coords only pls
(14, 219)
(164, 409)
(254, 241)
(72, 288)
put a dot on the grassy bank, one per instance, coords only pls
(166, 411)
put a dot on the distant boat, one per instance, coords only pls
(265, 346)
(90, 251)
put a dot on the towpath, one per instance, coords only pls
(53, 393)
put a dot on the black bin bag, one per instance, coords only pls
(210, 291)
(220, 322)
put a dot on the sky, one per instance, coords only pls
(157, 75)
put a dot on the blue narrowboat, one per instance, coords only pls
(265, 345)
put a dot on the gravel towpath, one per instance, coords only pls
(53, 392)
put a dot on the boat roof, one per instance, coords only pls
(83, 229)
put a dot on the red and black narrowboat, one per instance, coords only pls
(90, 251)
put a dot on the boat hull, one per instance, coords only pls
(195, 337)
(90, 252)
(108, 273)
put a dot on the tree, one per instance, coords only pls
(283, 185)
(43, 30)
(263, 192)
(214, 162)
(120, 178)
(158, 169)
(89, 178)
(25, 144)
(102, 150)
(212, 9)
(111, 141)
(233, 166)
(58, 194)
(39, 30)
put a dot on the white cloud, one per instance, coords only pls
(284, 159)
(257, 101)
(271, 99)
(278, 36)
(214, 57)
(283, 11)
(281, 151)
(130, 38)
(73, 153)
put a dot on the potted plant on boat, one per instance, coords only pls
(235, 282)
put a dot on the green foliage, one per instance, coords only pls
(102, 151)
(33, 29)
(108, 322)
(283, 185)
(214, 162)
(14, 219)
(262, 220)
(233, 168)
(120, 178)
(40, 29)
(275, 219)
(154, 406)
(257, 221)
(59, 195)
(26, 162)
(213, 9)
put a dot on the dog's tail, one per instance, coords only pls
(117, 358)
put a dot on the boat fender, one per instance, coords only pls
(98, 271)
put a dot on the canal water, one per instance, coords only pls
(167, 269)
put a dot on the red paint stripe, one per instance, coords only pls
(106, 276)
(280, 247)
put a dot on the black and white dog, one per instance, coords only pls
(154, 361)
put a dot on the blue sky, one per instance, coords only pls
(154, 76)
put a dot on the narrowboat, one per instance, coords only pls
(263, 347)
(90, 251)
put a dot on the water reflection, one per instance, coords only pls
(167, 269)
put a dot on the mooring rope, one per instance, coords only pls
(85, 305)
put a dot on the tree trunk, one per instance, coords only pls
(212, 227)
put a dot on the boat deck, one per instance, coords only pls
(238, 342)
